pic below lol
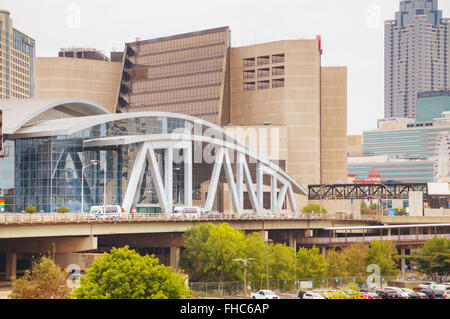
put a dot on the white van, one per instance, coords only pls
(108, 212)
(187, 212)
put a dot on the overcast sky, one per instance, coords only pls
(352, 32)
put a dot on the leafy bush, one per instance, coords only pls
(124, 274)
(45, 281)
(30, 209)
(316, 209)
(351, 292)
(63, 210)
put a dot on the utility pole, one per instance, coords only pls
(244, 261)
(267, 263)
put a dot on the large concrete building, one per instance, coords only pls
(78, 72)
(17, 52)
(416, 55)
(280, 84)
(142, 160)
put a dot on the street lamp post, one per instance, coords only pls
(267, 263)
(104, 186)
(93, 162)
(244, 261)
(386, 197)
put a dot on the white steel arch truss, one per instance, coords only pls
(163, 180)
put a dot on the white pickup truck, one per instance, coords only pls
(264, 294)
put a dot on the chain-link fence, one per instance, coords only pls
(215, 289)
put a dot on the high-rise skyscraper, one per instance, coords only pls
(17, 52)
(416, 55)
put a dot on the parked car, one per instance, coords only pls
(370, 295)
(368, 289)
(388, 294)
(312, 295)
(414, 295)
(301, 293)
(428, 284)
(401, 294)
(264, 294)
(433, 294)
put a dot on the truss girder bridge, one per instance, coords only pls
(366, 191)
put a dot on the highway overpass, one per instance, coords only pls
(69, 234)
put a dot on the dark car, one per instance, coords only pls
(433, 294)
(387, 294)
(301, 293)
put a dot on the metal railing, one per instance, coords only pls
(369, 239)
(24, 218)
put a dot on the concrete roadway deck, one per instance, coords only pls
(60, 225)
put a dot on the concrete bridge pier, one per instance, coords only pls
(10, 265)
(48, 245)
(175, 257)
(292, 240)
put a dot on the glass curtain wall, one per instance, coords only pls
(49, 171)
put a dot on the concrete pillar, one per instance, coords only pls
(175, 257)
(324, 251)
(292, 241)
(11, 265)
(188, 166)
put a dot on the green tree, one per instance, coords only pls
(63, 210)
(433, 258)
(30, 209)
(282, 263)
(124, 274)
(45, 281)
(191, 259)
(316, 209)
(210, 252)
(310, 263)
(336, 264)
(222, 246)
(356, 262)
(255, 247)
(385, 255)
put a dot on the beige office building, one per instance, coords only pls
(184, 73)
(283, 84)
(84, 75)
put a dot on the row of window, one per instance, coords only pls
(250, 74)
(263, 85)
(262, 60)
